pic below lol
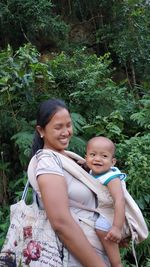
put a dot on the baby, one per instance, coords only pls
(100, 158)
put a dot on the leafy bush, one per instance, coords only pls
(31, 21)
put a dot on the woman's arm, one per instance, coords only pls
(54, 194)
(116, 192)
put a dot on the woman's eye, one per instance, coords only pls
(69, 125)
(58, 128)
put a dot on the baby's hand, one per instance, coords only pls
(82, 163)
(114, 234)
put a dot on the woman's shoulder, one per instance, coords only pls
(45, 152)
(48, 155)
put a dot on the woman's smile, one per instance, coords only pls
(58, 131)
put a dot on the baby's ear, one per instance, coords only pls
(114, 161)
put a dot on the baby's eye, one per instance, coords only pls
(92, 154)
(105, 156)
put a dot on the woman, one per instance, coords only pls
(57, 187)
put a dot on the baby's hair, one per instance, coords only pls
(103, 138)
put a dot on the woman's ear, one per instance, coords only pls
(40, 131)
(114, 161)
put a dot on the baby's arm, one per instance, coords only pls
(116, 192)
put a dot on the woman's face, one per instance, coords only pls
(58, 131)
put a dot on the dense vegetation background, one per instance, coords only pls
(96, 56)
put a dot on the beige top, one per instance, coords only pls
(77, 191)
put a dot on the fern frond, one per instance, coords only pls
(78, 122)
(77, 145)
(23, 140)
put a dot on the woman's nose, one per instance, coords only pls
(65, 131)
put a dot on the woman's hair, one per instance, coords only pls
(46, 111)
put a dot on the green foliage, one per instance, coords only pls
(78, 123)
(24, 80)
(87, 77)
(22, 75)
(24, 141)
(148, 263)
(142, 117)
(136, 153)
(31, 21)
(77, 144)
(129, 37)
(111, 126)
(4, 219)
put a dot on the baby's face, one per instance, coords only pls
(99, 157)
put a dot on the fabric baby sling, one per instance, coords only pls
(135, 225)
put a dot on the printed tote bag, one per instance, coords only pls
(30, 239)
